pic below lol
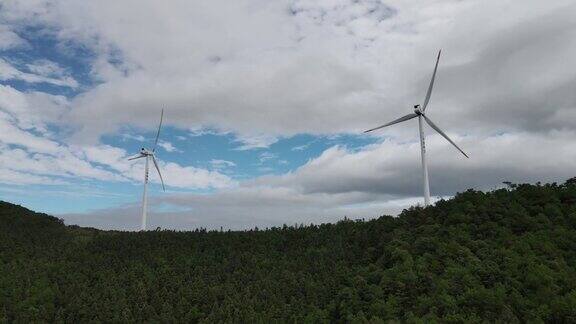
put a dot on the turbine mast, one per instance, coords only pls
(145, 195)
(424, 165)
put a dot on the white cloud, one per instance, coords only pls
(250, 142)
(54, 166)
(32, 110)
(393, 168)
(300, 147)
(168, 147)
(191, 177)
(13, 135)
(320, 67)
(9, 72)
(46, 68)
(30, 154)
(9, 39)
(383, 178)
(138, 138)
(103, 162)
(266, 156)
(221, 164)
(175, 175)
(23, 178)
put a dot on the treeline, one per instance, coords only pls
(503, 256)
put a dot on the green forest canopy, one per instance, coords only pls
(508, 255)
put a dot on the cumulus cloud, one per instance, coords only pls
(267, 156)
(32, 110)
(40, 73)
(9, 39)
(24, 178)
(393, 168)
(30, 154)
(221, 164)
(318, 67)
(44, 158)
(378, 179)
(168, 147)
(46, 68)
(250, 141)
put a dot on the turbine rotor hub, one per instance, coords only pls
(145, 151)
(418, 110)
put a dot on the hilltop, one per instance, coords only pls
(507, 255)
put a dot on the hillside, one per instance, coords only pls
(506, 255)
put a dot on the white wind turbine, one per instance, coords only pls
(149, 154)
(419, 112)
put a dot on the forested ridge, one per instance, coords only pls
(507, 255)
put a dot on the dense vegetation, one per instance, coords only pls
(502, 256)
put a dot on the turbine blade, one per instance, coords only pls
(442, 133)
(158, 169)
(137, 157)
(429, 93)
(158, 133)
(399, 120)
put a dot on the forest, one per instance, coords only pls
(508, 255)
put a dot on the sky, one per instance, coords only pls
(266, 102)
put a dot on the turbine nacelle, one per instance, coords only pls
(418, 110)
(145, 151)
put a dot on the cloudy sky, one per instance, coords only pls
(265, 104)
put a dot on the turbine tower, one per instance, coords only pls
(419, 112)
(149, 155)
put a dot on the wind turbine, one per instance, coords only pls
(149, 155)
(419, 112)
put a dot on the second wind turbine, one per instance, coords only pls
(419, 112)
(149, 155)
